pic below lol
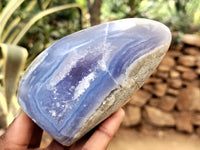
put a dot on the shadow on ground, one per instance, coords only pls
(130, 139)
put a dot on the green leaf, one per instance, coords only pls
(13, 28)
(12, 36)
(4, 111)
(42, 14)
(10, 27)
(3, 104)
(14, 59)
(7, 12)
(13, 110)
(46, 3)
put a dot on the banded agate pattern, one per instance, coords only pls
(83, 78)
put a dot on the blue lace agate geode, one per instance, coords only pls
(83, 78)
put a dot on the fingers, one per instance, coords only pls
(103, 135)
(19, 133)
(36, 137)
(100, 138)
(56, 146)
(23, 134)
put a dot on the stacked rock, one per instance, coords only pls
(171, 96)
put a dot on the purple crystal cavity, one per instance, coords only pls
(83, 78)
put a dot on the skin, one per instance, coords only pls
(24, 134)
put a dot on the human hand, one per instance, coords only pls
(24, 134)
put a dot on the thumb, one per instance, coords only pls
(19, 133)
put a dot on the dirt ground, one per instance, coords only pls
(130, 139)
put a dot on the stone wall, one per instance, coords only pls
(170, 98)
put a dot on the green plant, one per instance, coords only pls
(13, 27)
(179, 15)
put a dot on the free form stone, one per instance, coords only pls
(83, 78)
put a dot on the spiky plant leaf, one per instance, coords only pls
(9, 29)
(14, 59)
(3, 111)
(12, 111)
(7, 12)
(40, 15)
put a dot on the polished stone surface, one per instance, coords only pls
(81, 79)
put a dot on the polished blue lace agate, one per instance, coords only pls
(83, 78)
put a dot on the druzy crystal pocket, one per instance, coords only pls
(83, 78)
